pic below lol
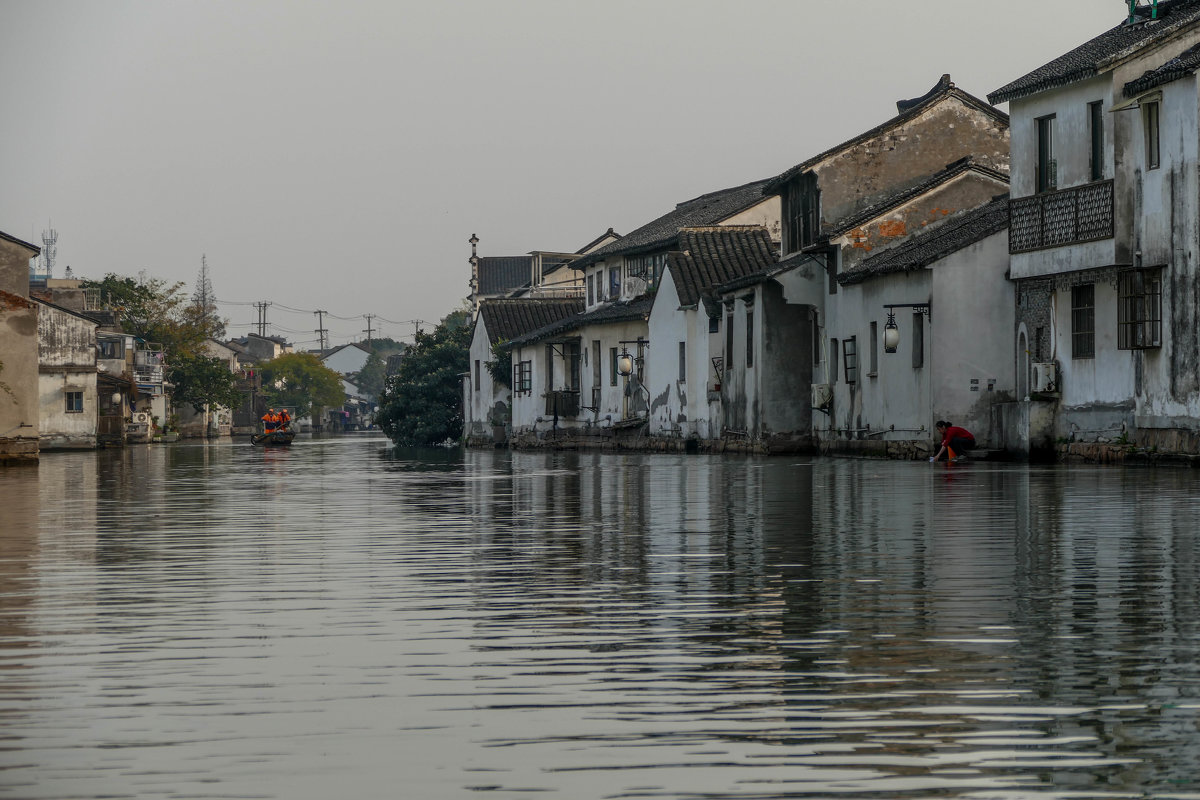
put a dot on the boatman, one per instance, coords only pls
(270, 420)
(285, 419)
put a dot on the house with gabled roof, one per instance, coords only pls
(944, 153)
(540, 273)
(588, 373)
(67, 379)
(950, 278)
(487, 402)
(1105, 236)
(684, 367)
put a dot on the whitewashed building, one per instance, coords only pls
(685, 367)
(67, 394)
(487, 403)
(1105, 235)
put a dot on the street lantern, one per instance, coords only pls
(891, 334)
(625, 364)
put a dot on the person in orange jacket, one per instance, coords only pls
(285, 419)
(270, 420)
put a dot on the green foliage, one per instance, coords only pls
(155, 311)
(201, 379)
(422, 403)
(302, 382)
(385, 344)
(370, 378)
(500, 367)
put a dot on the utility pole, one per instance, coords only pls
(367, 330)
(262, 317)
(321, 330)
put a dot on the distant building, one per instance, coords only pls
(67, 388)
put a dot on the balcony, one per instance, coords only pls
(562, 403)
(1065, 217)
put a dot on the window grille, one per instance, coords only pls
(850, 359)
(1139, 309)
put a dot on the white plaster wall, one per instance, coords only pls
(346, 361)
(678, 409)
(970, 335)
(60, 429)
(767, 214)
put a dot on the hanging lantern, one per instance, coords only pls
(891, 334)
(625, 363)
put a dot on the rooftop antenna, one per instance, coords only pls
(49, 251)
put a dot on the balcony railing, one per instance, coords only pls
(1068, 216)
(562, 403)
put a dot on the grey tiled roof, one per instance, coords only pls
(1183, 64)
(625, 311)
(662, 233)
(715, 255)
(500, 274)
(951, 171)
(1107, 49)
(909, 109)
(507, 319)
(925, 248)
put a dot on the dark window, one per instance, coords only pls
(1083, 321)
(918, 340)
(614, 282)
(1139, 309)
(714, 324)
(749, 339)
(816, 337)
(850, 359)
(802, 210)
(874, 350)
(1096, 123)
(833, 360)
(683, 362)
(477, 374)
(74, 402)
(612, 366)
(590, 296)
(571, 365)
(831, 271)
(1047, 166)
(728, 342)
(1150, 113)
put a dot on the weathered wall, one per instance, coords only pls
(902, 156)
(18, 356)
(968, 191)
(67, 363)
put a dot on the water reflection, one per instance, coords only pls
(227, 621)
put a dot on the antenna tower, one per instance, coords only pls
(49, 251)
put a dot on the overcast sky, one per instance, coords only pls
(338, 155)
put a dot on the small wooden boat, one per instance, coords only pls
(276, 438)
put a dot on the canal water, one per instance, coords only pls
(343, 620)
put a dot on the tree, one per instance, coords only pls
(370, 378)
(204, 301)
(202, 380)
(422, 403)
(155, 311)
(302, 382)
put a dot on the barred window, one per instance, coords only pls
(74, 402)
(1083, 321)
(1139, 309)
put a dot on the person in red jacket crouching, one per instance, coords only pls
(956, 441)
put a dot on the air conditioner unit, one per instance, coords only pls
(1045, 378)
(822, 396)
(142, 418)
